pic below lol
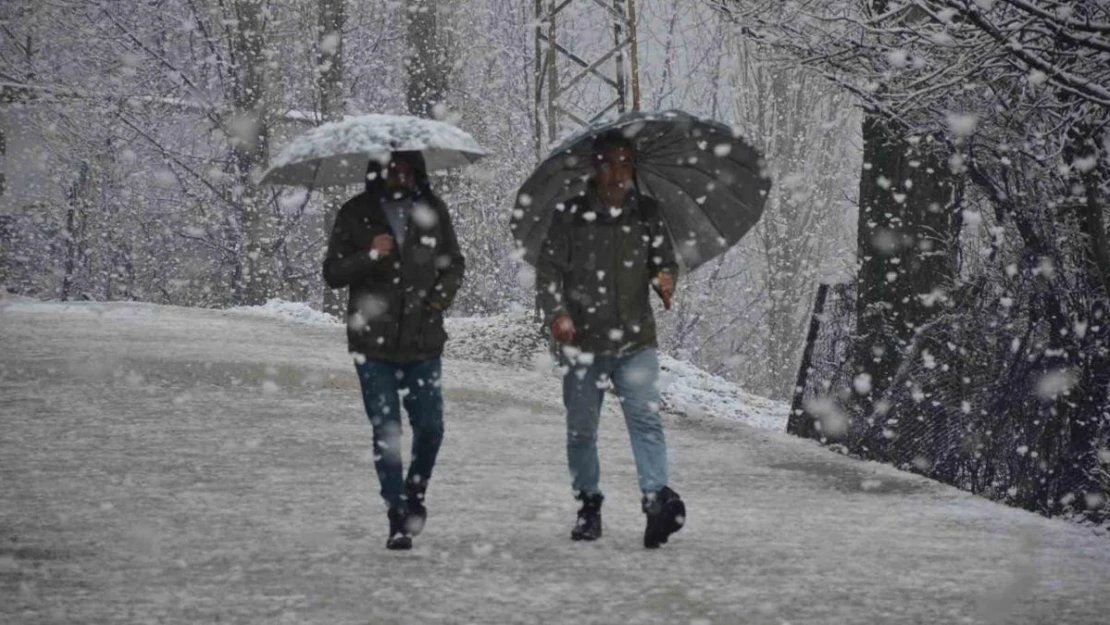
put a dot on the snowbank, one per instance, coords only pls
(293, 311)
(513, 340)
(510, 339)
(689, 391)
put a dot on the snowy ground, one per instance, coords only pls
(162, 465)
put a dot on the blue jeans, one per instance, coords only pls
(384, 384)
(635, 377)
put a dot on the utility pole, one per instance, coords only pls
(554, 63)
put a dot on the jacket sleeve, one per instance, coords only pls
(661, 255)
(552, 267)
(450, 263)
(344, 262)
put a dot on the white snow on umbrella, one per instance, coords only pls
(337, 153)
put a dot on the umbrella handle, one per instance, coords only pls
(663, 296)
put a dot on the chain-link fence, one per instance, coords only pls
(988, 402)
(826, 362)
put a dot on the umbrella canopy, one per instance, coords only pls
(710, 183)
(337, 153)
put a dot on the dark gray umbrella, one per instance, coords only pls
(710, 183)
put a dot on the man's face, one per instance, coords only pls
(613, 168)
(400, 176)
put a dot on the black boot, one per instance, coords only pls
(666, 514)
(399, 537)
(418, 514)
(588, 526)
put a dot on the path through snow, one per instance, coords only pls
(165, 465)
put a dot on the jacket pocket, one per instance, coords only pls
(433, 334)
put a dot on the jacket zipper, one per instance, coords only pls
(404, 295)
(614, 269)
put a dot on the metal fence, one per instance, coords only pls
(975, 403)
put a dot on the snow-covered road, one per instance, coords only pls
(164, 465)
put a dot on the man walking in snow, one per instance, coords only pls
(602, 253)
(396, 249)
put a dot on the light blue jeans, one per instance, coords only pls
(635, 377)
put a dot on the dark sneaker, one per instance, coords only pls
(399, 537)
(588, 526)
(666, 514)
(418, 514)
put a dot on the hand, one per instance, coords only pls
(562, 328)
(664, 285)
(381, 246)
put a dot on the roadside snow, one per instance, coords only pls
(507, 339)
(687, 391)
(293, 311)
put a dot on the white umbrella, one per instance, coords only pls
(338, 153)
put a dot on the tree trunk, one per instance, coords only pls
(3, 144)
(329, 87)
(75, 232)
(427, 76)
(250, 137)
(1082, 410)
(906, 242)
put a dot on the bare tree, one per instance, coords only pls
(250, 147)
(331, 104)
(425, 64)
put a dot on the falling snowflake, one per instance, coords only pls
(833, 421)
(897, 58)
(330, 43)
(425, 216)
(962, 124)
(1086, 164)
(1056, 383)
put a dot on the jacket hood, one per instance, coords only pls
(375, 173)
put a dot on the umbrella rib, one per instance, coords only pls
(685, 166)
(315, 174)
(674, 148)
(708, 215)
(661, 147)
(710, 175)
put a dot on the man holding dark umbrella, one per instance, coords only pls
(604, 251)
(396, 249)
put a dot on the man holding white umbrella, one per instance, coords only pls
(394, 247)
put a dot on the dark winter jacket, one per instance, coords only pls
(598, 268)
(396, 304)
